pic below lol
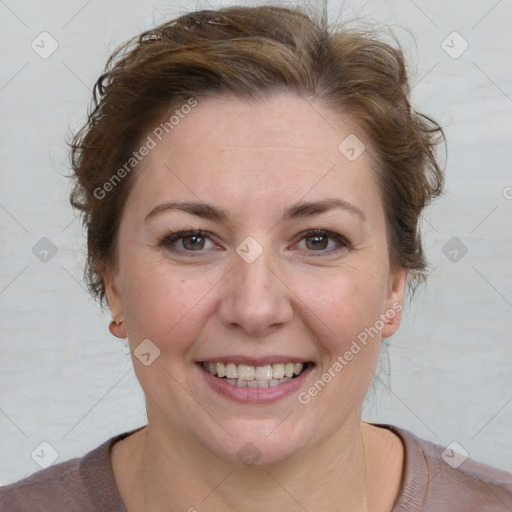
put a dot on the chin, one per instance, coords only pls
(258, 442)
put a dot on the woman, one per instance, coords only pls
(251, 186)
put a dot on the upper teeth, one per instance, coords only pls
(244, 372)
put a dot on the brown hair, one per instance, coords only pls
(251, 52)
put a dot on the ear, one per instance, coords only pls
(392, 314)
(115, 305)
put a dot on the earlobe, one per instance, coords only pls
(117, 329)
(116, 308)
(392, 315)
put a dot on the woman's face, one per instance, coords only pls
(258, 289)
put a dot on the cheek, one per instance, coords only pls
(345, 302)
(161, 303)
(344, 313)
(344, 309)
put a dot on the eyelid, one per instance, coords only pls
(342, 241)
(178, 235)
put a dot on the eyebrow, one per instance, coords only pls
(216, 214)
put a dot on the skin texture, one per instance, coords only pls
(299, 299)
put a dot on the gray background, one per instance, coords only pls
(66, 381)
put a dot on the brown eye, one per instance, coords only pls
(323, 242)
(193, 243)
(186, 241)
(317, 242)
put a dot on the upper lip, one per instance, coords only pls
(254, 361)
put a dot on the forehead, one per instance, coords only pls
(284, 121)
(281, 148)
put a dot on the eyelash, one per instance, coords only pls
(342, 242)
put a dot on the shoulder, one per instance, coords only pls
(441, 479)
(57, 485)
(84, 484)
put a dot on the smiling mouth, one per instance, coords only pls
(265, 376)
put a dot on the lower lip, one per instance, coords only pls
(255, 395)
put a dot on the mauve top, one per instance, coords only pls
(429, 484)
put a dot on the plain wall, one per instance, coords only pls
(66, 381)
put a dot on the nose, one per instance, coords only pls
(255, 297)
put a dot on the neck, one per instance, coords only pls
(179, 473)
